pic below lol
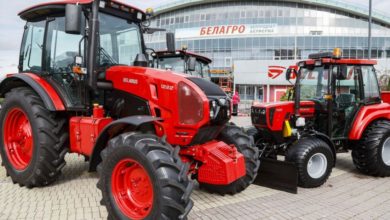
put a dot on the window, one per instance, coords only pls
(370, 84)
(119, 43)
(62, 47)
(31, 53)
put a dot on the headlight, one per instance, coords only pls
(190, 105)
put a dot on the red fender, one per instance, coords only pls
(48, 94)
(366, 116)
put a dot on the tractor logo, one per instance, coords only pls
(275, 71)
(130, 81)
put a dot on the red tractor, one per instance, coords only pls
(84, 87)
(337, 107)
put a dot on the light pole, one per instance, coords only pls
(369, 29)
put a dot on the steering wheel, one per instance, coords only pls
(319, 104)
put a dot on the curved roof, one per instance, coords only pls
(49, 7)
(182, 53)
(333, 4)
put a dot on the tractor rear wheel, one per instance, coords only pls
(314, 160)
(371, 155)
(233, 134)
(142, 177)
(33, 140)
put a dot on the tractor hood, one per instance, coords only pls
(273, 115)
(209, 88)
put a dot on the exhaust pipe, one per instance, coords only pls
(92, 45)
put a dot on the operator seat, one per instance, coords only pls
(345, 100)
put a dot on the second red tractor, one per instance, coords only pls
(336, 107)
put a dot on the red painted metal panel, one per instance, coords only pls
(137, 81)
(386, 96)
(221, 164)
(56, 99)
(366, 116)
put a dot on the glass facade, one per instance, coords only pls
(294, 31)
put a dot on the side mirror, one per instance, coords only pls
(290, 72)
(342, 72)
(191, 64)
(73, 16)
(171, 42)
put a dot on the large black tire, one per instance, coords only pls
(171, 186)
(233, 134)
(367, 153)
(50, 139)
(302, 151)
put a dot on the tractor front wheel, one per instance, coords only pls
(142, 177)
(371, 155)
(314, 160)
(233, 135)
(33, 140)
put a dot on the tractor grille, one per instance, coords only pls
(258, 116)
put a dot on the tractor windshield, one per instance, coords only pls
(178, 64)
(314, 82)
(120, 41)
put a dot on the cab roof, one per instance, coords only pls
(166, 53)
(350, 61)
(45, 9)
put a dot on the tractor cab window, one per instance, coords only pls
(314, 82)
(175, 64)
(206, 70)
(370, 84)
(347, 91)
(62, 47)
(198, 70)
(31, 51)
(120, 41)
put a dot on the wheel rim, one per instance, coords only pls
(316, 166)
(18, 139)
(132, 189)
(386, 152)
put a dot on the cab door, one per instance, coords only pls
(61, 50)
(347, 99)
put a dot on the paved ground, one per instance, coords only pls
(346, 195)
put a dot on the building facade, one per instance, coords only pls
(273, 33)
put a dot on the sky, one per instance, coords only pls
(12, 26)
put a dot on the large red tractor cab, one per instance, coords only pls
(335, 107)
(84, 86)
(181, 61)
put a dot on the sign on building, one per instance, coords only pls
(227, 30)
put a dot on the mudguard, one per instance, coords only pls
(133, 121)
(366, 116)
(48, 94)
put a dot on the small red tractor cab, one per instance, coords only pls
(337, 107)
(84, 87)
(181, 61)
